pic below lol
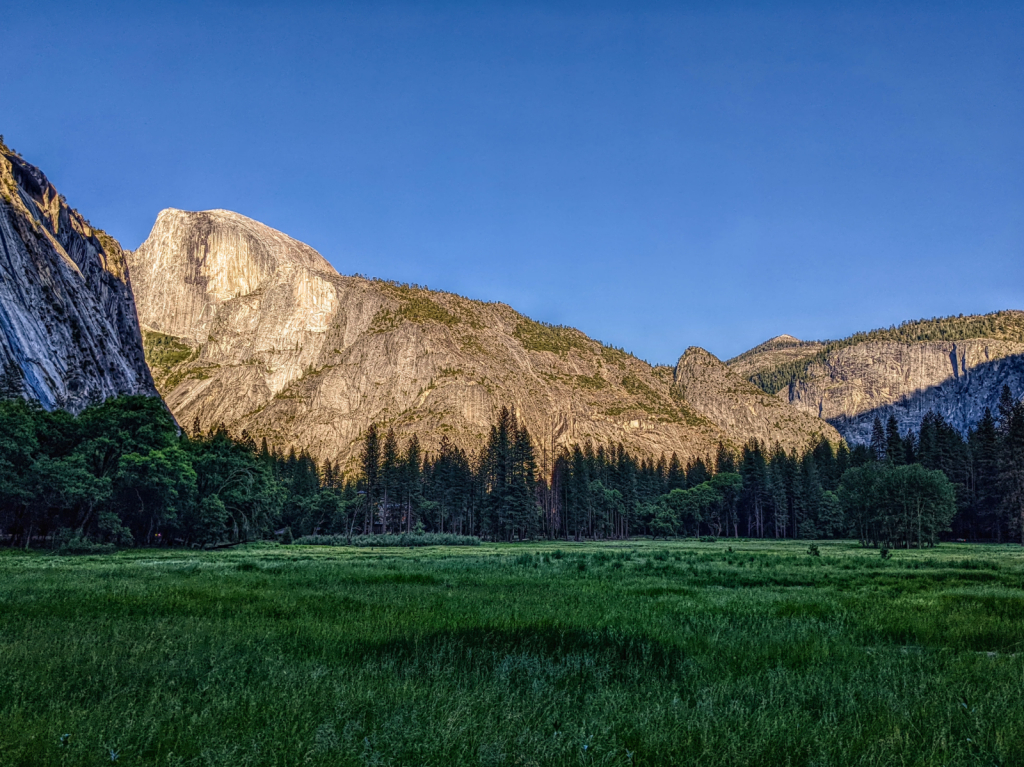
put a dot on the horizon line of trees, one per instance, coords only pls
(123, 473)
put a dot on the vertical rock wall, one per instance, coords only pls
(69, 334)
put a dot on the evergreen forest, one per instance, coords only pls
(123, 474)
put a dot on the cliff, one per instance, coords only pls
(69, 335)
(958, 380)
(248, 327)
(738, 407)
(904, 371)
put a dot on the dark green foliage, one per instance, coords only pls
(121, 474)
(402, 540)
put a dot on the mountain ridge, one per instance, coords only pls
(943, 364)
(310, 357)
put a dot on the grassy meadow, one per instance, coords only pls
(626, 653)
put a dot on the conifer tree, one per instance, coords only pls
(878, 440)
(371, 475)
(895, 451)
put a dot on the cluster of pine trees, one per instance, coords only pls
(123, 473)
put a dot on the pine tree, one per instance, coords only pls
(390, 479)
(986, 517)
(1012, 469)
(725, 461)
(895, 451)
(878, 440)
(371, 475)
(411, 480)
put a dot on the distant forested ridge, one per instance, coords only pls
(123, 474)
(1002, 326)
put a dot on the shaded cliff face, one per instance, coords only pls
(248, 327)
(958, 380)
(852, 381)
(69, 335)
(738, 407)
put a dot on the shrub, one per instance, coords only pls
(405, 539)
(813, 551)
(69, 542)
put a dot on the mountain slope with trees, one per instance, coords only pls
(249, 328)
(954, 366)
(122, 474)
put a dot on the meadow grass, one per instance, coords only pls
(627, 653)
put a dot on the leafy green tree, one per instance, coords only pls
(915, 503)
(858, 500)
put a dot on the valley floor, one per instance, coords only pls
(626, 653)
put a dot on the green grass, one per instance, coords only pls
(726, 653)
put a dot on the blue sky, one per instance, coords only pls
(658, 175)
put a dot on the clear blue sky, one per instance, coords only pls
(657, 175)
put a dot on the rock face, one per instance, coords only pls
(69, 335)
(849, 383)
(248, 327)
(958, 380)
(739, 407)
(772, 354)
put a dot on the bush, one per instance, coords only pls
(708, 539)
(69, 542)
(405, 539)
(885, 552)
(813, 550)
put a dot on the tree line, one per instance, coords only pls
(123, 473)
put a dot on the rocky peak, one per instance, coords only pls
(193, 262)
(737, 406)
(955, 366)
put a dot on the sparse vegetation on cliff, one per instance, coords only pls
(164, 351)
(1001, 326)
(541, 337)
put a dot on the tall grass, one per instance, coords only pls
(550, 654)
(402, 540)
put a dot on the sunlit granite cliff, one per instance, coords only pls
(246, 326)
